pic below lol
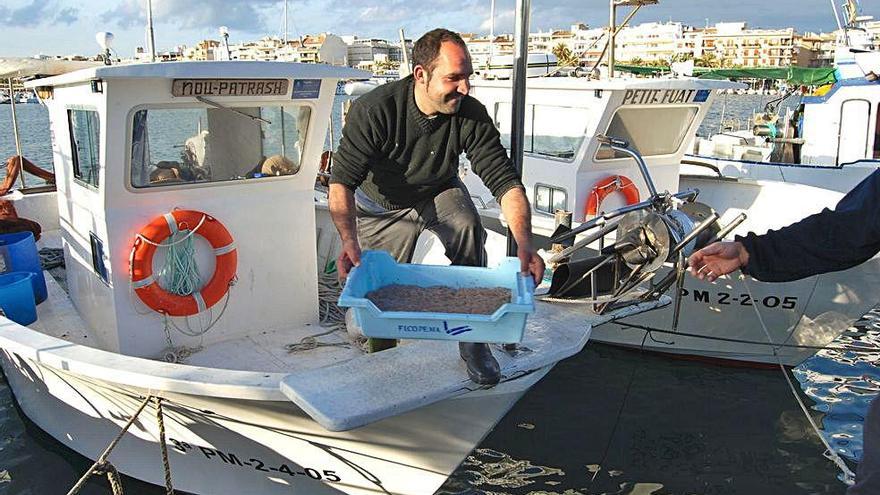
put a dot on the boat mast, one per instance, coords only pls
(151, 40)
(518, 105)
(840, 25)
(612, 34)
(404, 69)
(491, 32)
(285, 22)
(15, 129)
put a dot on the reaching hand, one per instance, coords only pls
(531, 262)
(349, 256)
(717, 259)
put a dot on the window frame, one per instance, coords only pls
(552, 189)
(129, 141)
(74, 153)
(529, 140)
(677, 150)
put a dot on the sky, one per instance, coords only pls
(66, 27)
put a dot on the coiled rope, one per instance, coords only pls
(331, 317)
(181, 273)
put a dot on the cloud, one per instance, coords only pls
(28, 16)
(248, 16)
(67, 16)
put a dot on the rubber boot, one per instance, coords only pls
(482, 368)
(376, 345)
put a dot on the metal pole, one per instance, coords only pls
(405, 69)
(151, 40)
(492, 31)
(285, 22)
(612, 20)
(518, 105)
(15, 132)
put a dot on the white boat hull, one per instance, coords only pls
(232, 446)
(836, 178)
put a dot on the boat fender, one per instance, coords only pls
(608, 185)
(153, 234)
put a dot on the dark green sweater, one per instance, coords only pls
(398, 156)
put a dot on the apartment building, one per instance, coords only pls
(203, 50)
(734, 44)
(652, 42)
(323, 48)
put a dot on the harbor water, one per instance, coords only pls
(606, 421)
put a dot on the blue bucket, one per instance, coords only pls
(17, 297)
(19, 252)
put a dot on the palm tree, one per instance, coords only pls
(564, 56)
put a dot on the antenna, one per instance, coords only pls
(151, 40)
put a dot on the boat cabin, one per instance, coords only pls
(132, 143)
(563, 161)
(841, 125)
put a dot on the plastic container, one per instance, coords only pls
(19, 252)
(17, 297)
(379, 269)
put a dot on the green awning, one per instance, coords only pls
(642, 70)
(795, 75)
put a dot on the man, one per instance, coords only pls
(395, 173)
(828, 241)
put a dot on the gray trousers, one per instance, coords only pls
(450, 215)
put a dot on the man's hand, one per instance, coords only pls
(342, 211)
(349, 257)
(717, 259)
(532, 263)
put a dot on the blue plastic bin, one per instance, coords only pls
(19, 252)
(17, 297)
(379, 269)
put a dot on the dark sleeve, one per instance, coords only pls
(351, 162)
(488, 157)
(828, 241)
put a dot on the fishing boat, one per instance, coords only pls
(234, 386)
(829, 140)
(571, 173)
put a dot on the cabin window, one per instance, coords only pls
(84, 145)
(551, 131)
(549, 199)
(172, 146)
(652, 131)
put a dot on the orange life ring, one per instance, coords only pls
(159, 229)
(607, 186)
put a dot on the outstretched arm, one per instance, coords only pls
(342, 211)
(517, 212)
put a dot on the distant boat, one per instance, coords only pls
(539, 64)
(26, 97)
(357, 88)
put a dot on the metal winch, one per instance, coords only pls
(614, 261)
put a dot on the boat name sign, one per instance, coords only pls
(229, 87)
(664, 96)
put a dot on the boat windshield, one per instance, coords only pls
(550, 130)
(654, 130)
(173, 146)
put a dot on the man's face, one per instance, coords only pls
(449, 82)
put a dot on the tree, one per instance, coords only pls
(564, 56)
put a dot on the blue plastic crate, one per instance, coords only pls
(379, 269)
